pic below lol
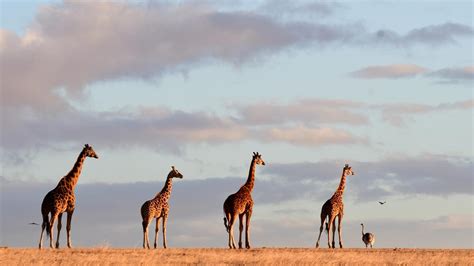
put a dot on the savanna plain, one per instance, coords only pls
(222, 256)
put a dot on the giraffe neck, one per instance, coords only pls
(251, 179)
(166, 191)
(342, 185)
(73, 176)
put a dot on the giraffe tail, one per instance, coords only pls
(46, 223)
(327, 228)
(226, 225)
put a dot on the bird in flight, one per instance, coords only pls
(382, 203)
(33, 223)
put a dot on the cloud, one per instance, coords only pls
(423, 175)
(434, 35)
(310, 136)
(302, 122)
(124, 40)
(396, 71)
(165, 130)
(316, 112)
(288, 9)
(454, 74)
(306, 171)
(309, 111)
(389, 71)
(299, 122)
(47, 67)
(161, 129)
(426, 108)
(452, 222)
(439, 33)
(397, 113)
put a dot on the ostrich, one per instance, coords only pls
(368, 238)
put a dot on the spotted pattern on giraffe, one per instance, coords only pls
(62, 199)
(334, 207)
(158, 208)
(241, 204)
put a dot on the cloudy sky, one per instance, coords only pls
(386, 86)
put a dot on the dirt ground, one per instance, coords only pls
(218, 256)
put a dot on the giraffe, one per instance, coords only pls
(158, 208)
(62, 199)
(241, 203)
(334, 207)
(367, 238)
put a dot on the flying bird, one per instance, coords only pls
(382, 203)
(33, 223)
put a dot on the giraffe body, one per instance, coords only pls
(158, 208)
(62, 199)
(332, 208)
(240, 204)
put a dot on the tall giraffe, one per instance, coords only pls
(62, 199)
(241, 203)
(158, 208)
(334, 207)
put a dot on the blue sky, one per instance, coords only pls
(383, 85)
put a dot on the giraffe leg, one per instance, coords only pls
(68, 228)
(229, 228)
(233, 238)
(60, 216)
(157, 228)
(43, 226)
(330, 224)
(165, 219)
(231, 231)
(241, 228)
(227, 221)
(333, 243)
(148, 234)
(323, 218)
(54, 216)
(145, 233)
(247, 228)
(339, 229)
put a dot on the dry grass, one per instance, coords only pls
(216, 256)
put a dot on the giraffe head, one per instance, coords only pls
(174, 173)
(89, 152)
(258, 158)
(348, 170)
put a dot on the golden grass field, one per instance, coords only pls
(219, 256)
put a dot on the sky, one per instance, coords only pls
(385, 86)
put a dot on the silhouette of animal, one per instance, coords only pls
(382, 203)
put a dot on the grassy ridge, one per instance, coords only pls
(269, 256)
